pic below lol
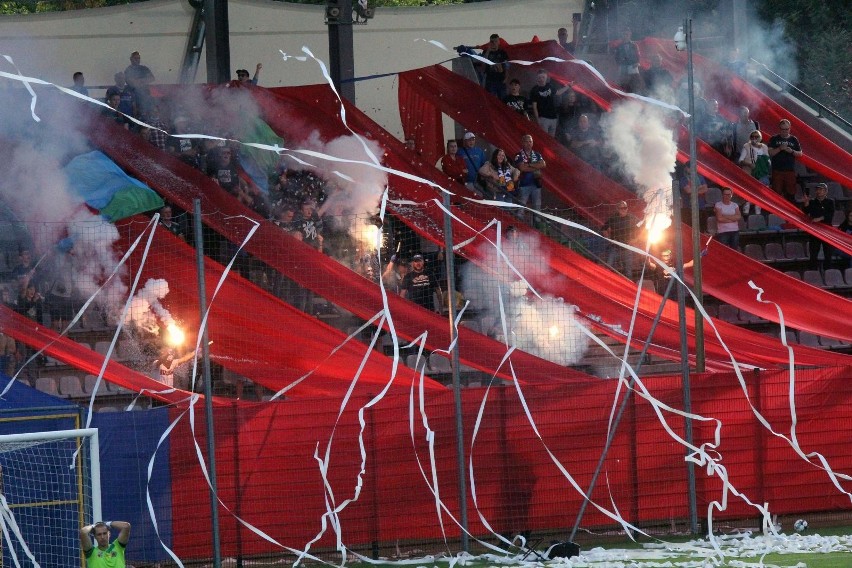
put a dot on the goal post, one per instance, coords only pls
(50, 487)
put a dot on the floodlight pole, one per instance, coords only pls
(208, 386)
(454, 359)
(684, 355)
(621, 410)
(341, 48)
(693, 202)
(217, 41)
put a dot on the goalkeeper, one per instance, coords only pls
(106, 554)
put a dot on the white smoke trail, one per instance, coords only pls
(645, 147)
(146, 310)
(546, 326)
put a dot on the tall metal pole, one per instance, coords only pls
(217, 41)
(628, 393)
(684, 356)
(341, 50)
(693, 203)
(454, 359)
(208, 387)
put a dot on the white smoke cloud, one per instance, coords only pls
(146, 310)
(36, 190)
(543, 326)
(771, 47)
(645, 149)
(354, 191)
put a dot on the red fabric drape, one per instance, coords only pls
(180, 184)
(76, 355)
(568, 178)
(261, 337)
(422, 122)
(833, 162)
(588, 285)
(732, 92)
(517, 485)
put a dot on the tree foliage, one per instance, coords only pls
(821, 30)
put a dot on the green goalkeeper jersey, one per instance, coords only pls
(111, 557)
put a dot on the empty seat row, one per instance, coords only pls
(816, 341)
(435, 364)
(832, 279)
(758, 222)
(70, 386)
(735, 315)
(776, 252)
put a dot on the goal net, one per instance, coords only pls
(49, 488)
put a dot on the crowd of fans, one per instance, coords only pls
(575, 122)
(293, 198)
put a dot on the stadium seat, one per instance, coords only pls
(794, 274)
(69, 387)
(411, 361)
(774, 252)
(729, 313)
(102, 347)
(831, 343)
(472, 325)
(438, 363)
(792, 337)
(847, 275)
(809, 340)
(835, 192)
(748, 317)
(756, 223)
(89, 384)
(839, 216)
(47, 385)
(755, 251)
(774, 221)
(712, 225)
(814, 278)
(795, 251)
(834, 279)
(109, 409)
(713, 195)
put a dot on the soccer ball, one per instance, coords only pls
(800, 525)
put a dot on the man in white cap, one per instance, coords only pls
(475, 158)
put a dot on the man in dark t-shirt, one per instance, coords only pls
(495, 74)
(515, 100)
(419, 285)
(783, 151)
(621, 227)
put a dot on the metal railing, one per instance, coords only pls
(788, 86)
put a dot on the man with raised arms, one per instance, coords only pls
(103, 553)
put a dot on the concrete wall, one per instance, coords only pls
(99, 41)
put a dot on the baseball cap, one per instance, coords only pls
(622, 204)
(469, 135)
(417, 257)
